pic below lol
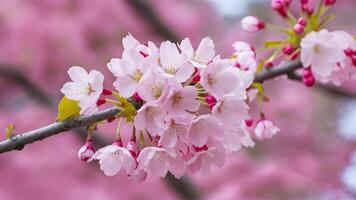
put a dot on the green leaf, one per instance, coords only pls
(259, 87)
(273, 44)
(67, 109)
(128, 109)
(9, 132)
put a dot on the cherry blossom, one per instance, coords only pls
(86, 151)
(150, 118)
(206, 157)
(158, 161)
(220, 79)
(203, 55)
(85, 88)
(113, 159)
(128, 70)
(173, 63)
(323, 50)
(203, 128)
(265, 129)
(252, 24)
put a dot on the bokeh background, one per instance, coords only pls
(312, 157)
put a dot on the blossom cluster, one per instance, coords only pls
(327, 56)
(193, 107)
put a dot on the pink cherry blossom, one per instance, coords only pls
(246, 61)
(204, 159)
(86, 151)
(113, 159)
(203, 128)
(85, 88)
(181, 100)
(231, 110)
(202, 55)
(240, 47)
(173, 63)
(150, 117)
(323, 50)
(128, 70)
(158, 161)
(265, 129)
(220, 79)
(176, 131)
(152, 86)
(129, 42)
(252, 24)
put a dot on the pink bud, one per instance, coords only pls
(252, 24)
(100, 102)
(106, 92)
(308, 77)
(86, 151)
(196, 78)
(269, 64)
(303, 2)
(118, 143)
(203, 148)
(111, 119)
(349, 52)
(136, 97)
(210, 99)
(302, 21)
(288, 49)
(280, 7)
(249, 122)
(295, 56)
(353, 58)
(308, 8)
(299, 28)
(329, 2)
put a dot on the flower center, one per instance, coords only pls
(137, 75)
(317, 48)
(90, 90)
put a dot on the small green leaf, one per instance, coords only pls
(128, 109)
(259, 87)
(9, 132)
(67, 109)
(273, 44)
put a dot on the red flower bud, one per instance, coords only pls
(100, 102)
(106, 92)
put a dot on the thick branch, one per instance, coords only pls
(282, 69)
(19, 141)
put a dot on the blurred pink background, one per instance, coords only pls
(310, 159)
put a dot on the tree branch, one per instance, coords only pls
(19, 141)
(282, 69)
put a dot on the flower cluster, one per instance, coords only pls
(327, 56)
(192, 107)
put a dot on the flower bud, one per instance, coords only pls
(249, 122)
(86, 151)
(100, 102)
(308, 77)
(106, 92)
(196, 78)
(329, 2)
(252, 24)
(302, 21)
(210, 100)
(265, 129)
(299, 29)
(280, 7)
(137, 97)
(269, 64)
(288, 49)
